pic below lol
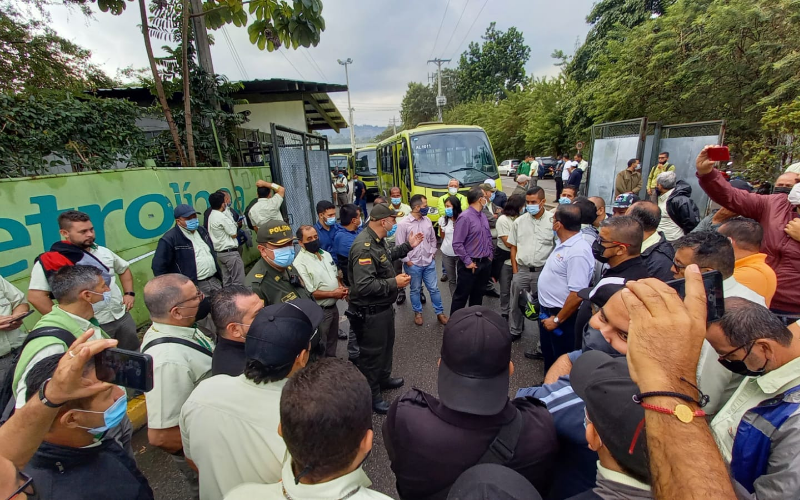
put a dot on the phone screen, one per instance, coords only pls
(715, 299)
(126, 368)
(721, 153)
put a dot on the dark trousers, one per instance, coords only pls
(375, 335)
(559, 186)
(329, 330)
(554, 344)
(124, 330)
(362, 204)
(471, 285)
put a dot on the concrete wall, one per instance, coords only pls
(289, 114)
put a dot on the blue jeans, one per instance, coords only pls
(362, 204)
(428, 275)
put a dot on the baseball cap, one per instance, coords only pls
(476, 351)
(280, 332)
(603, 290)
(492, 482)
(184, 211)
(275, 232)
(523, 178)
(742, 184)
(604, 384)
(488, 187)
(491, 183)
(624, 200)
(382, 211)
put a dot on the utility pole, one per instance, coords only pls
(349, 106)
(394, 124)
(441, 101)
(201, 37)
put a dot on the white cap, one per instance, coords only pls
(523, 178)
(794, 195)
(491, 183)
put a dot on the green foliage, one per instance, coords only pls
(780, 144)
(91, 133)
(33, 57)
(493, 68)
(419, 105)
(386, 133)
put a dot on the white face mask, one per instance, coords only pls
(794, 195)
(452, 190)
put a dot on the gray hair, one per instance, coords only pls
(744, 322)
(667, 180)
(163, 292)
(70, 281)
(223, 306)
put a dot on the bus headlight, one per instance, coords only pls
(433, 211)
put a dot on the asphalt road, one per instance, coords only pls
(415, 356)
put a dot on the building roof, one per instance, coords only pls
(320, 111)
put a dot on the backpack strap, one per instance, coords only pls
(501, 451)
(61, 334)
(175, 340)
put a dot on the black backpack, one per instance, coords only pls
(7, 399)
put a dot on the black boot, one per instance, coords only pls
(380, 406)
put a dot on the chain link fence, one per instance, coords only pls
(700, 129)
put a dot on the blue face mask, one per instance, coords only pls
(392, 230)
(192, 224)
(448, 211)
(283, 256)
(532, 209)
(491, 198)
(330, 221)
(111, 417)
(423, 211)
(396, 201)
(564, 201)
(106, 296)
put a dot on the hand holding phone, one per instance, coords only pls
(126, 368)
(715, 299)
(719, 153)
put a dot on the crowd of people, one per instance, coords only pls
(642, 397)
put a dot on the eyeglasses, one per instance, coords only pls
(749, 347)
(602, 241)
(26, 486)
(199, 296)
(678, 266)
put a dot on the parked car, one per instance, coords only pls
(547, 166)
(508, 167)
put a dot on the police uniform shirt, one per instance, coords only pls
(177, 369)
(273, 286)
(533, 238)
(371, 272)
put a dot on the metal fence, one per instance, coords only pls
(613, 144)
(300, 164)
(252, 148)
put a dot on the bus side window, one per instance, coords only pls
(406, 172)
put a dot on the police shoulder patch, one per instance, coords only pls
(364, 262)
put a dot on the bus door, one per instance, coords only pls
(396, 172)
(405, 170)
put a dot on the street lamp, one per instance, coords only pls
(345, 63)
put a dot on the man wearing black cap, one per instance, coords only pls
(229, 425)
(612, 427)
(432, 441)
(273, 278)
(373, 291)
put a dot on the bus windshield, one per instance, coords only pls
(366, 163)
(462, 155)
(338, 163)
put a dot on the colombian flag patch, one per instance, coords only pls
(364, 262)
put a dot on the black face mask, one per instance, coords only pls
(782, 190)
(593, 340)
(204, 309)
(597, 250)
(312, 246)
(738, 366)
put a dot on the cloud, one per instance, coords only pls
(389, 43)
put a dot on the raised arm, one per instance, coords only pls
(720, 190)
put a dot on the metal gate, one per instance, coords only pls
(613, 144)
(300, 164)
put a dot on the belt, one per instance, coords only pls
(480, 259)
(373, 309)
(234, 249)
(535, 269)
(12, 352)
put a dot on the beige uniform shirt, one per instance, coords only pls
(177, 369)
(266, 209)
(533, 238)
(231, 446)
(222, 231)
(671, 230)
(10, 297)
(202, 255)
(103, 312)
(319, 272)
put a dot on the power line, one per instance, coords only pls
(235, 55)
(312, 64)
(440, 28)
(456, 28)
(290, 63)
(470, 29)
(317, 65)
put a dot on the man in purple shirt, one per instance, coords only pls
(472, 243)
(420, 263)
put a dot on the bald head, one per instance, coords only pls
(600, 203)
(163, 292)
(788, 179)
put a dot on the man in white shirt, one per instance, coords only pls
(321, 279)
(12, 333)
(267, 207)
(222, 231)
(328, 441)
(531, 241)
(76, 229)
(229, 425)
(341, 187)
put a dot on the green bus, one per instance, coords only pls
(341, 162)
(423, 160)
(366, 167)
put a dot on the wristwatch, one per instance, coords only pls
(132, 294)
(555, 319)
(44, 399)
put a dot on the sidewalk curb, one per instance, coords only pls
(137, 412)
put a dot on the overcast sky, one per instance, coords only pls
(389, 42)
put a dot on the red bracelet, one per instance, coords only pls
(682, 412)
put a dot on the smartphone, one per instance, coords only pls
(126, 368)
(719, 153)
(21, 316)
(715, 299)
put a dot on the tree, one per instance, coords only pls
(495, 67)
(419, 105)
(386, 133)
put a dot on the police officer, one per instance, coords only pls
(373, 291)
(273, 278)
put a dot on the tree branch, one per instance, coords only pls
(215, 8)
